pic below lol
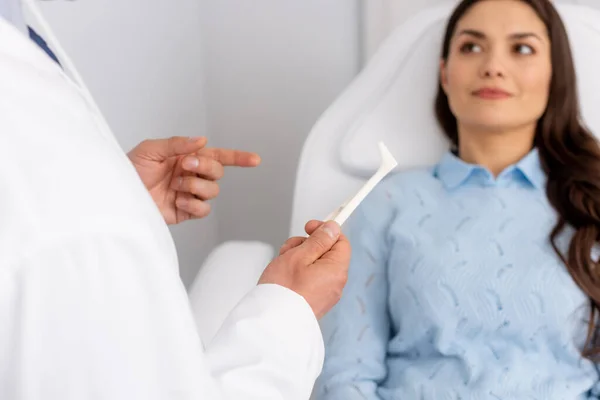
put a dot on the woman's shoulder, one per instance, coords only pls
(413, 177)
(398, 183)
(399, 188)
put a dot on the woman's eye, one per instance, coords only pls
(524, 49)
(470, 48)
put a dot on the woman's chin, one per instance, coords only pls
(491, 122)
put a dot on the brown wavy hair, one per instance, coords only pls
(570, 156)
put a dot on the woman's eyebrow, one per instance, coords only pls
(481, 35)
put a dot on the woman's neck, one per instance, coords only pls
(494, 150)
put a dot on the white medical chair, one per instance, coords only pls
(391, 100)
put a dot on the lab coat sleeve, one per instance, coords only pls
(271, 328)
(98, 315)
(357, 330)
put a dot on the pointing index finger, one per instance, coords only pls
(230, 157)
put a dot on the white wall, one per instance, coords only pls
(142, 62)
(272, 68)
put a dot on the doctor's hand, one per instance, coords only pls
(315, 267)
(181, 174)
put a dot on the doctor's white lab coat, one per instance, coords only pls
(91, 303)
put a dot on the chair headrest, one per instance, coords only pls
(400, 84)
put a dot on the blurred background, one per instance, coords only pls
(253, 75)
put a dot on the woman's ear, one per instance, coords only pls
(443, 75)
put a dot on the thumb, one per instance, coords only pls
(320, 242)
(160, 149)
(312, 226)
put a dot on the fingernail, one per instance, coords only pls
(332, 229)
(191, 163)
(196, 138)
(180, 181)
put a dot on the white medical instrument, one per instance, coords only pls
(387, 165)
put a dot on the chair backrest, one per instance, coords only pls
(392, 100)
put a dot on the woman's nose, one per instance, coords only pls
(492, 67)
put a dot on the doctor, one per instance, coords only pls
(91, 304)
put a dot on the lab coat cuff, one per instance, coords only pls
(297, 318)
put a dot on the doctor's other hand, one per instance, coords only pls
(181, 173)
(315, 267)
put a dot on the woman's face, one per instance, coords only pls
(497, 75)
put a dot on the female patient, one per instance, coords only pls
(478, 278)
